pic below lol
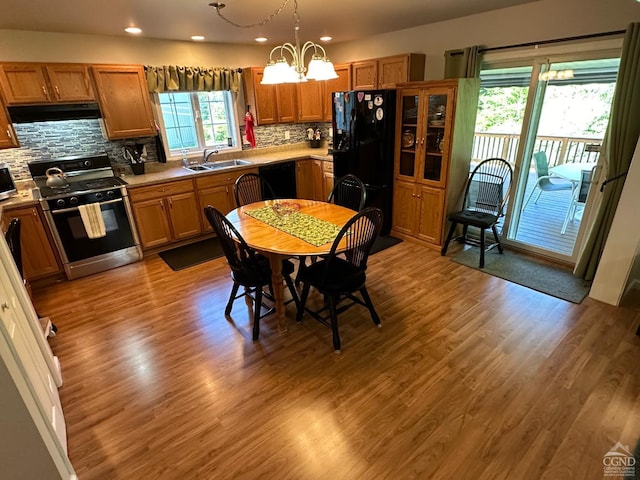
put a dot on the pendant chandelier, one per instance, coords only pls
(281, 70)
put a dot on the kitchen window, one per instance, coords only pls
(194, 121)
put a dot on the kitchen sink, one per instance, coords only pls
(209, 166)
(227, 164)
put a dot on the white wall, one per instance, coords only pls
(543, 20)
(618, 266)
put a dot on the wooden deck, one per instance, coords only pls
(541, 222)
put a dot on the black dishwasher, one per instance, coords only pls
(282, 178)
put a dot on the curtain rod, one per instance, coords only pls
(557, 40)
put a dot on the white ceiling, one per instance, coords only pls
(179, 19)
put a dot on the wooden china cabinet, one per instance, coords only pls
(435, 126)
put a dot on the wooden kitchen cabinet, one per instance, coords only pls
(260, 98)
(340, 84)
(310, 95)
(287, 102)
(39, 258)
(34, 83)
(387, 72)
(124, 101)
(217, 190)
(165, 213)
(305, 179)
(327, 179)
(8, 138)
(434, 138)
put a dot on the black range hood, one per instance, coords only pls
(53, 112)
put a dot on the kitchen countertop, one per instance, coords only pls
(165, 172)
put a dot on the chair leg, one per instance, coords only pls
(234, 292)
(443, 251)
(334, 324)
(482, 248)
(292, 289)
(495, 235)
(256, 314)
(369, 303)
(302, 259)
(538, 197)
(531, 195)
(303, 301)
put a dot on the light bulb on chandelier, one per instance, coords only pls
(280, 70)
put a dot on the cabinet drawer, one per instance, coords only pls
(327, 166)
(218, 179)
(160, 190)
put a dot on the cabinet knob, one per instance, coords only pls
(170, 203)
(44, 90)
(9, 133)
(417, 196)
(413, 195)
(57, 92)
(4, 306)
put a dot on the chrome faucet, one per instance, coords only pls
(207, 153)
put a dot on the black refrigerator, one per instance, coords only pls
(363, 144)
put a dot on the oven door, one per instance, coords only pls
(74, 241)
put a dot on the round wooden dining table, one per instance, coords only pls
(278, 245)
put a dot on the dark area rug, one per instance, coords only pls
(383, 242)
(529, 272)
(187, 256)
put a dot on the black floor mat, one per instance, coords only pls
(193, 254)
(383, 242)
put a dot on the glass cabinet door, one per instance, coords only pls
(435, 143)
(409, 111)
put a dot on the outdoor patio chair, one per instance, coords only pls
(545, 182)
(579, 198)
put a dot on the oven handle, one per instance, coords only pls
(73, 209)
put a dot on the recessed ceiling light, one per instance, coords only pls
(197, 38)
(327, 38)
(134, 30)
(264, 39)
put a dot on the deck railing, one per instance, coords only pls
(558, 149)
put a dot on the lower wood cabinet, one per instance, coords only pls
(417, 211)
(166, 212)
(305, 179)
(217, 190)
(327, 179)
(38, 256)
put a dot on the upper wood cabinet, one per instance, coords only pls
(387, 72)
(340, 84)
(124, 101)
(33, 83)
(287, 102)
(261, 98)
(8, 138)
(310, 103)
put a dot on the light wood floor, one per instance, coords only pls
(471, 377)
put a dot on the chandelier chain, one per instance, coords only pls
(218, 6)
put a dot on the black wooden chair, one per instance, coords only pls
(249, 269)
(251, 188)
(349, 191)
(486, 194)
(339, 275)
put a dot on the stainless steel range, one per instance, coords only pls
(88, 211)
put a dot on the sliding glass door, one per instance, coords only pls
(548, 119)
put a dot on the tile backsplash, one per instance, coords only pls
(50, 140)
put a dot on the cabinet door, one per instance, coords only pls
(404, 208)
(38, 257)
(410, 139)
(318, 181)
(152, 222)
(431, 201)
(304, 179)
(263, 97)
(340, 84)
(438, 105)
(327, 184)
(184, 215)
(8, 138)
(70, 83)
(219, 197)
(392, 70)
(286, 96)
(124, 101)
(365, 75)
(309, 101)
(23, 84)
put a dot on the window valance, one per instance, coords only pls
(172, 78)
